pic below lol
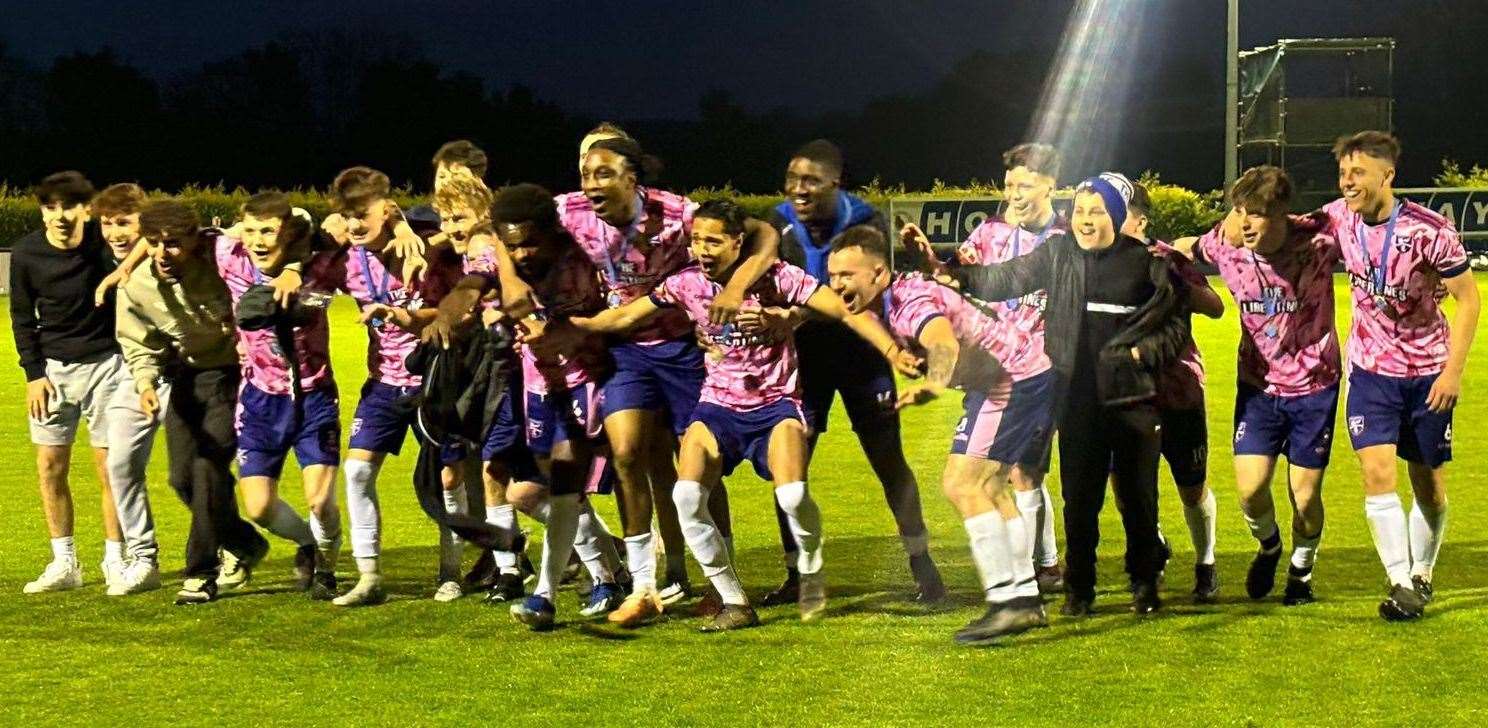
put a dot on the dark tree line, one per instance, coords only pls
(294, 111)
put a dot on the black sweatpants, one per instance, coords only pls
(1094, 442)
(201, 442)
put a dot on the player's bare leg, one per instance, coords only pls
(362, 508)
(113, 534)
(698, 462)
(1037, 507)
(1389, 527)
(1428, 523)
(630, 433)
(1001, 547)
(1305, 488)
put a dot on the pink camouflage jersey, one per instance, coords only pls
(570, 288)
(1288, 343)
(632, 265)
(995, 241)
(1181, 385)
(264, 362)
(748, 371)
(912, 301)
(1399, 329)
(362, 274)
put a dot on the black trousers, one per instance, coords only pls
(1094, 442)
(201, 443)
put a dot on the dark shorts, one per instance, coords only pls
(1299, 427)
(665, 377)
(562, 416)
(1185, 445)
(834, 360)
(1392, 411)
(746, 435)
(1012, 428)
(504, 441)
(270, 425)
(383, 415)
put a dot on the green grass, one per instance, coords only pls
(271, 657)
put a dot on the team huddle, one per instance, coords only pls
(548, 350)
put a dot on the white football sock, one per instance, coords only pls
(113, 551)
(640, 557)
(63, 549)
(1428, 526)
(989, 551)
(1200, 520)
(558, 538)
(1046, 549)
(1387, 525)
(706, 544)
(1304, 555)
(327, 543)
(451, 548)
(285, 523)
(590, 543)
(1261, 520)
(1031, 505)
(1020, 550)
(503, 517)
(361, 508)
(805, 524)
(368, 566)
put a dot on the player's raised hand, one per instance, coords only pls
(111, 281)
(335, 226)
(907, 363)
(773, 320)
(440, 332)
(725, 306)
(1444, 393)
(915, 239)
(285, 286)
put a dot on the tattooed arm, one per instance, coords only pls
(942, 351)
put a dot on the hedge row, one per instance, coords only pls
(1176, 211)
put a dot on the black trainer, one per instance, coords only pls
(1298, 592)
(1403, 605)
(1262, 575)
(1077, 606)
(483, 572)
(304, 566)
(1003, 619)
(789, 591)
(323, 586)
(1206, 584)
(1145, 599)
(507, 588)
(929, 587)
(731, 617)
(1423, 587)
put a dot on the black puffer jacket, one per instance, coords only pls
(1156, 329)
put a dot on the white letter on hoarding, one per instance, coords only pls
(937, 224)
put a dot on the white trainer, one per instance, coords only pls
(367, 592)
(111, 571)
(233, 573)
(58, 576)
(136, 577)
(449, 591)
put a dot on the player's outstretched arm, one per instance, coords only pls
(915, 240)
(455, 310)
(137, 255)
(829, 305)
(942, 350)
(517, 300)
(1017, 277)
(618, 320)
(1448, 386)
(764, 240)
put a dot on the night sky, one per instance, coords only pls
(652, 60)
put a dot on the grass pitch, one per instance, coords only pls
(270, 656)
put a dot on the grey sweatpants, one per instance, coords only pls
(130, 437)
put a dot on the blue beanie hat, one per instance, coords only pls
(1116, 190)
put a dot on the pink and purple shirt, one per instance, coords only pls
(1180, 386)
(264, 364)
(995, 241)
(570, 288)
(1288, 343)
(364, 276)
(745, 371)
(634, 260)
(912, 301)
(1399, 329)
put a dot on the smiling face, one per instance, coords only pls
(1091, 222)
(367, 224)
(811, 187)
(1365, 182)
(171, 251)
(531, 252)
(714, 248)
(460, 223)
(857, 277)
(64, 222)
(261, 240)
(1028, 194)
(121, 232)
(610, 185)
